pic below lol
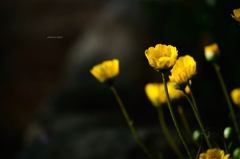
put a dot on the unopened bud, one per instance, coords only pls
(228, 132)
(236, 153)
(196, 135)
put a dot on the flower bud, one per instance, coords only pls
(212, 52)
(236, 153)
(196, 135)
(235, 94)
(228, 132)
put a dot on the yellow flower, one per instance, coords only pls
(161, 57)
(106, 71)
(211, 52)
(235, 94)
(183, 71)
(236, 15)
(156, 93)
(214, 154)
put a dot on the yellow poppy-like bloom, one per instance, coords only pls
(106, 71)
(214, 154)
(161, 57)
(211, 52)
(156, 93)
(236, 15)
(183, 71)
(235, 94)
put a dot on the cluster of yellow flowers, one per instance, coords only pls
(164, 58)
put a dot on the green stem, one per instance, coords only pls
(194, 104)
(174, 118)
(185, 123)
(167, 133)
(130, 123)
(184, 120)
(197, 115)
(230, 106)
(193, 99)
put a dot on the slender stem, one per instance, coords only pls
(174, 118)
(193, 99)
(130, 123)
(185, 123)
(167, 133)
(184, 120)
(230, 106)
(197, 115)
(194, 104)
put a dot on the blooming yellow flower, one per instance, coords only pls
(211, 52)
(106, 70)
(161, 56)
(235, 94)
(183, 71)
(156, 93)
(214, 154)
(236, 15)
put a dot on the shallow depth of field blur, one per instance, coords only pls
(51, 107)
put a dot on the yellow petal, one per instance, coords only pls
(236, 12)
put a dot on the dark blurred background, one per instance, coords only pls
(52, 107)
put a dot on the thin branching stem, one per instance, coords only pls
(174, 118)
(167, 134)
(226, 94)
(197, 115)
(130, 123)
